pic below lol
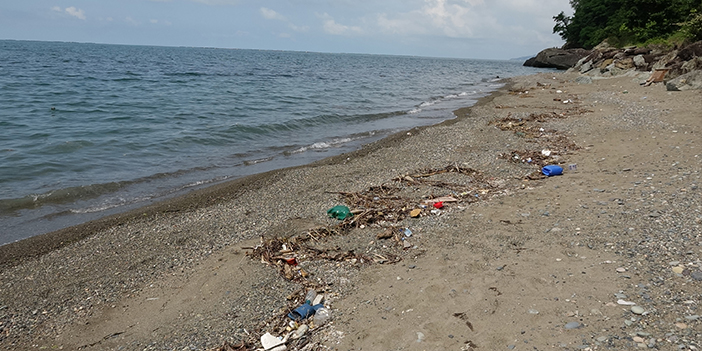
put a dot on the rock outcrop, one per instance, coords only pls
(606, 61)
(687, 81)
(557, 58)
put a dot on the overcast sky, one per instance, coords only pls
(485, 29)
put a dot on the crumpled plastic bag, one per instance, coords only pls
(339, 212)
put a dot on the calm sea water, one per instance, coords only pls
(88, 130)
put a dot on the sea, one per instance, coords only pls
(89, 130)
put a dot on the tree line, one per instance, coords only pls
(625, 22)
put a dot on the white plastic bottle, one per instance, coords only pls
(322, 316)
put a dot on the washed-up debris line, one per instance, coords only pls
(527, 127)
(284, 253)
(380, 207)
(281, 325)
(477, 182)
(553, 145)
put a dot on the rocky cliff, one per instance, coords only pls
(679, 67)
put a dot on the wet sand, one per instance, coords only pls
(516, 263)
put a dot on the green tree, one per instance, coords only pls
(623, 21)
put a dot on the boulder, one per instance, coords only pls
(639, 61)
(557, 58)
(688, 81)
(625, 63)
(692, 65)
(691, 51)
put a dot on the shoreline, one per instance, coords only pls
(38, 245)
(174, 275)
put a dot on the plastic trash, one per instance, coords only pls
(438, 204)
(300, 332)
(552, 170)
(339, 212)
(318, 299)
(303, 312)
(272, 343)
(322, 316)
(311, 294)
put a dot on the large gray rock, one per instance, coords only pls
(639, 61)
(688, 81)
(557, 58)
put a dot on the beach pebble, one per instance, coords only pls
(625, 303)
(420, 336)
(637, 309)
(621, 269)
(678, 270)
(573, 325)
(638, 339)
(696, 275)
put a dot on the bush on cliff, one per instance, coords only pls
(624, 22)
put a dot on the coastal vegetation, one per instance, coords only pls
(630, 22)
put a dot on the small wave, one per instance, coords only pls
(257, 161)
(428, 103)
(94, 209)
(108, 204)
(59, 196)
(414, 111)
(321, 145)
(252, 132)
(203, 182)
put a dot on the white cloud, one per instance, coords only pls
(78, 13)
(71, 11)
(330, 26)
(271, 14)
(506, 20)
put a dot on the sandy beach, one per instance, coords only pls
(606, 256)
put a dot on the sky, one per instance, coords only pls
(480, 29)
